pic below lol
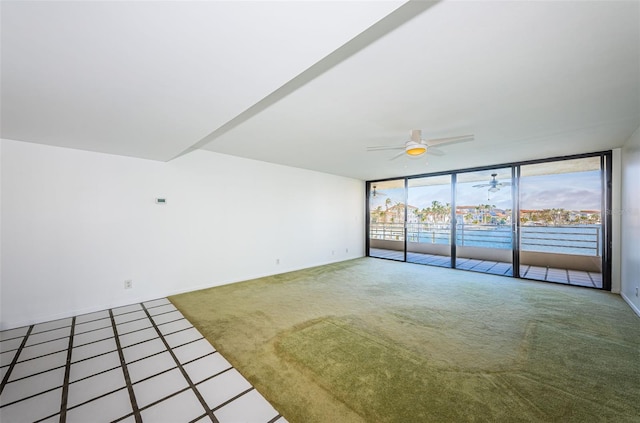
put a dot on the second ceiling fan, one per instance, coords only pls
(416, 146)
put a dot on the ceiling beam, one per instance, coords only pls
(395, 19)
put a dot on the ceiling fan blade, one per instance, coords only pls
(384, 147)
(449, 140)
(435, 152)
(480, 185)
(402, 153)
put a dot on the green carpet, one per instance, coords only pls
(379, 341)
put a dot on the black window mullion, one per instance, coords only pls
(454, 221)
(406, 216)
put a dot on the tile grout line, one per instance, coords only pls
(67, 371)
(11, 339)
(106, 394)
(139, 343)
(94, 374)
(32, 396)
(177, 331)
(175, 394)
(35, 374)
(135, 330)
(91, 321)
(44, 342)
(38, 356)
(190, 342)
(170, 321)
(166, 312)
(197, 419)
(201, 357)
(125, 371)
(215, 375)
(144, 379)
(230, 400)
(5, 379)
(182, 370)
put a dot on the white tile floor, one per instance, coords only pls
(139, 363)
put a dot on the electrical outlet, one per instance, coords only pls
(277, 261)
(128, 284)
(347, 250)
(333, 252)
(636, 291)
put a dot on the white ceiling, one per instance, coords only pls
(312, 84)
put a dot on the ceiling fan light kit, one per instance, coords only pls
(416, 146)
(415, 149)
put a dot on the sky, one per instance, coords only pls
(569, 191)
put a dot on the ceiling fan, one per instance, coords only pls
(494, 185)
(416, 146)
(375, 192)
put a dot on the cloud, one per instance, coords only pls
(569, 191)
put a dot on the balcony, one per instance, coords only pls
(569, 254)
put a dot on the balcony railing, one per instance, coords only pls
(568, 239)
(387, 231)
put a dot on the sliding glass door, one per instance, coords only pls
(561, 227)
(387, 219)
(429, 220)
(484, 230)
(542, 220)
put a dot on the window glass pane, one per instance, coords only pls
(386, 219)
(429, 220)
(560, 221)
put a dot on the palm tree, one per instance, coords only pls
(377, 214)
(438, 210)
(468, 218)
(416, 213)
(447, 212)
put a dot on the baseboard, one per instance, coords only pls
(70, 313)
(259, 275)
(631, 304)
(154, 296)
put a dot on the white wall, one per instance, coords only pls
(77, 224)
(630, 266)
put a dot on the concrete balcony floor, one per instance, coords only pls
(548, 274)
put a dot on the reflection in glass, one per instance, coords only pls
(560, 218)
(484, 233)
(429, 220)
(386, 219)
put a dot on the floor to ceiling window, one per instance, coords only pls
(542, 220)
(386, 219)
(560, 221)
(429, 220)
(484, 233)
